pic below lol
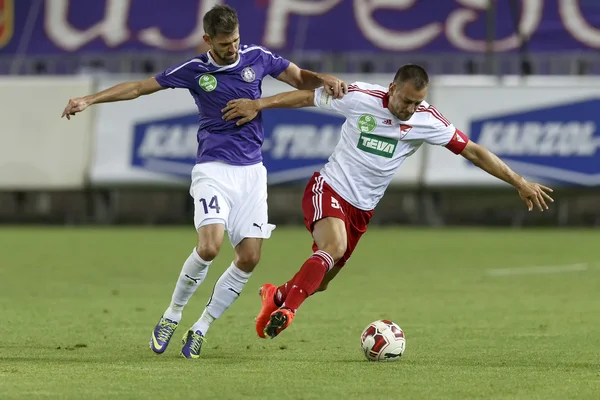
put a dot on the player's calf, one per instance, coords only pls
(321, 288)
(328, 278)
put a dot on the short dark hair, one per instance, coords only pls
(220, 19)
(413, 73)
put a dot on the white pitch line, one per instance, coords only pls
(548, 269)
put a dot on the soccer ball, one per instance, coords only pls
(383, 340)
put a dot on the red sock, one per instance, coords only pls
(282, 292)
(307, 280)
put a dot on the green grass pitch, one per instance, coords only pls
(78, 306)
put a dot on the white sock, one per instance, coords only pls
(192, 274)
(227, 289)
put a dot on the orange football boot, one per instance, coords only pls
(267, 295)
(279, 320)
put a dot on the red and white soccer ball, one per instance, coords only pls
(383, 340)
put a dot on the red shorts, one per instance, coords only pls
(321, 201)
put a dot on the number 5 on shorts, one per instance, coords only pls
(335, 203)
(213, 203)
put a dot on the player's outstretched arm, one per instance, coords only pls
(120, 92)
(304, 79)
(532, 193)
(247, 109)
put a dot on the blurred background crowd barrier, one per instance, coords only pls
(520, 77)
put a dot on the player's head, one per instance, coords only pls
(222, 33)
(407, 91)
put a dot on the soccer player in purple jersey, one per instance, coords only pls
(229, 181)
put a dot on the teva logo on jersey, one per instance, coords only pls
(559, 143)
(167, 146)
(378, 145)
(207, 82)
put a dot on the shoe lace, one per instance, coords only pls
(197, 342)
(166, 330)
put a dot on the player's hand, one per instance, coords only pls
(334, 86)
(75, 106)
(534, 194)
(245, 109)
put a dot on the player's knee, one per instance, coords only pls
(335, 249)
(247, 260)
(208, 251)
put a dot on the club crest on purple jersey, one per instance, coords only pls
(248, 74)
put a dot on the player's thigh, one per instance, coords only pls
(324, 217)
(356, 226)
(211, 212)
(249, 218)
(210, 205)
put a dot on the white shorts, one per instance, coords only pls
(233, 195)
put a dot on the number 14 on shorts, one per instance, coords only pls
(213, 203)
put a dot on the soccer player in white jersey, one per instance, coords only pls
(229, 182)
(383, 127)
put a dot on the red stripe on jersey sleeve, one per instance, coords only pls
(458, 142)
(435, 116)
(439, 115)
(374, 93)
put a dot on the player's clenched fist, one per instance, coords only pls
(334, 86)
(75, 106)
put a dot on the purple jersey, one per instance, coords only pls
(212, 86)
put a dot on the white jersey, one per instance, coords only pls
(374, 143)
